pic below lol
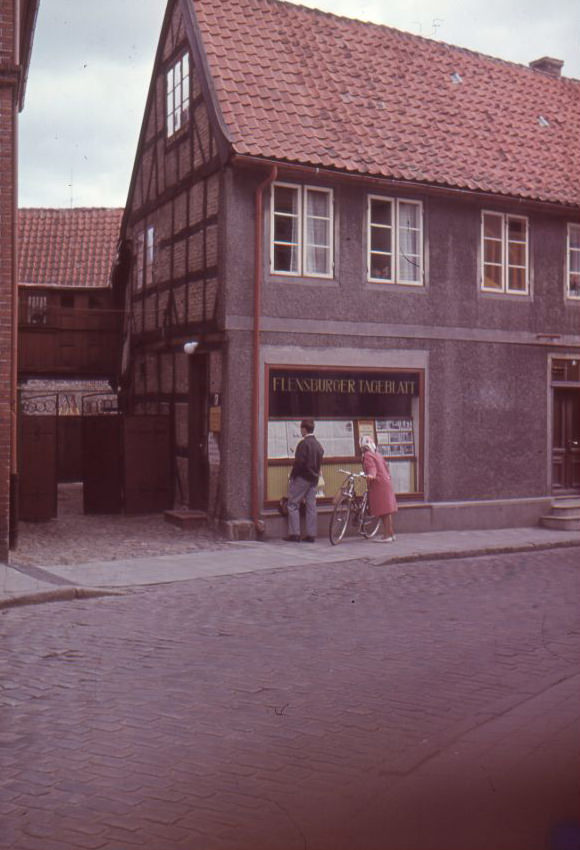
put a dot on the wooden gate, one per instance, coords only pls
(126, 460)
(102, 464)
(37, 500)
(126, 464)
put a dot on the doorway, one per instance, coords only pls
(566, 440)
(198, 431)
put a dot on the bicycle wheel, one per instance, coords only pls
(339, 520)
(369, 525)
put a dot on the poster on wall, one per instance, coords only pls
(336, 438)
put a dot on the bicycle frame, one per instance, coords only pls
(351, 509)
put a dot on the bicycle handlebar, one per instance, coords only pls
(353, 474)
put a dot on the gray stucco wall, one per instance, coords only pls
(486, 412)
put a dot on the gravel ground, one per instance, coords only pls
(75, 538)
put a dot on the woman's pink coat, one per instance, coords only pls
(381, 495)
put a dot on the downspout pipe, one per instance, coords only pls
(258, 279)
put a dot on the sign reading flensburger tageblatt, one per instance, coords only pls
(337, 394)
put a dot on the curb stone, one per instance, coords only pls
(63, 594)
(472, 553)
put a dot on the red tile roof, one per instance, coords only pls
(308, 87)
(67, 247)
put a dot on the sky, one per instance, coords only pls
(92, 62)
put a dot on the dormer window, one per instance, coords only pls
(178, 96)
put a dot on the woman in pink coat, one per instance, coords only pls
(381, 495)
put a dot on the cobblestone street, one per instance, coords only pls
(423, 706)
(75, 537)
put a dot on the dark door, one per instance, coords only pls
(147, 464)
(102, 466)
(38, 463)
(198, 432)
(566, 447)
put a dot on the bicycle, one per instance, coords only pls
(350, 508)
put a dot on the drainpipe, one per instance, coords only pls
(258, 277)
(13, 521)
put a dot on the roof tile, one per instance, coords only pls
(67, 247)
(370, 90)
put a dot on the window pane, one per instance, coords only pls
(517, 254)
(492, 225)
(286, 199)
(516, 229)
(317, 203)
(408, 216)
(285, 228)
(177, 71)
(409, 242)
(381, 212)
(381, 239)
(517, 280)
(285, 258)
(409, 268)
(575, 261)
(185, 64)
(317, 260)
(575, 285)
(170, 80)
(492, 251)
(317, 231)
(492, 277)
(381, 266)
(575, 236)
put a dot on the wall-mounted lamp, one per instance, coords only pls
(190, 347)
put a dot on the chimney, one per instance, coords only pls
(548, 65)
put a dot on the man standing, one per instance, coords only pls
(303, 483)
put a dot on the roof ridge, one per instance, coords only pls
(477, 53)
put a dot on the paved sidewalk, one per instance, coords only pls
(32, 584)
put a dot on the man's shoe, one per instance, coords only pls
(292, 538)
(309, 539)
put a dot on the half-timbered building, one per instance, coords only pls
(335, 219)
(17, 21)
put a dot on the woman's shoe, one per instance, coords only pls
(389, 539)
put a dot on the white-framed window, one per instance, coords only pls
(505, 265)
(139, 259)
(301, 224)
(573, 264)
(394, 240)
(144, 257)
(149, 254)
(177, 93)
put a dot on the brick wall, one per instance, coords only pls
(7, 190)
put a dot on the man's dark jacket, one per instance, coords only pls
(307, 459)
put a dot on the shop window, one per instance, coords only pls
(177, 96)
(395, 241)
(345, 405)
(504, 253)
(573, 275)
(302, 230)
